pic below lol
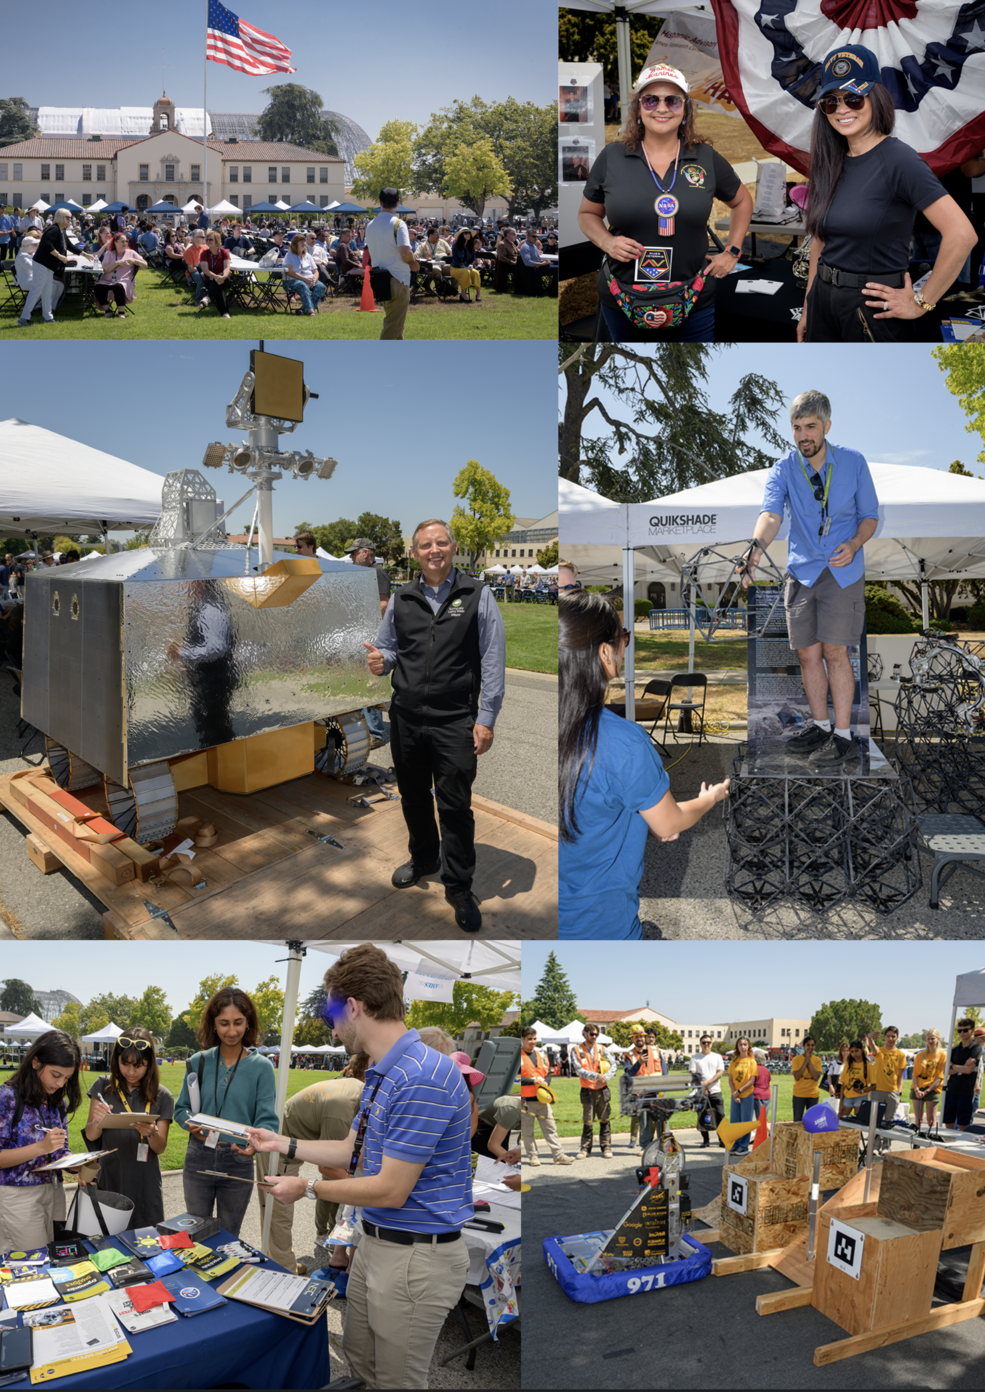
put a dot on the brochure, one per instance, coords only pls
(136, 1321)
(142, 1242)
(90, 1340)
(31, 1294)
(192, 1293)
(215, 1265)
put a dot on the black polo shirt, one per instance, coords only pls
(620, 180)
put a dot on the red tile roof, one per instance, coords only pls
(43, 148)
(78, 148)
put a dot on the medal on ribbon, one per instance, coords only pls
(666, 206)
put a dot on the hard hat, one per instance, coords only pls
(546, 1094)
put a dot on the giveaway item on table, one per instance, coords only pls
(136, 1321)
(92, 1340)
(215, 1265)
(66, 1253)
(132, 1274)
(191, 1293)
(164, 1263)
(197, 1228)
(147, 1297)
(95, 1211)
(38, 1256)
(108, 1258)
(189, 1255)
(172, 1242)
(295, 1297)
(32, 1293)
(83, 1283)
(242, 1251)
(142, 1242)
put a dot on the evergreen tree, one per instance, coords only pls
(18, 998)
(554, 1001)
(15, 121)
(294, 115)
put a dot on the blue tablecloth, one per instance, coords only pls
(235, 1344)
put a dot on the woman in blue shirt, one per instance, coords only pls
(613, 787)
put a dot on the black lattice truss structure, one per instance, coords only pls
(940, 724)
(820, 841)
(727, 568)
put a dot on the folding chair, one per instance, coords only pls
(687, 709)
(650, 707)
(12, 294)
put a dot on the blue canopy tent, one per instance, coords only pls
(306, 207)
(68, 203)
(346, 208)
(163, 207)
(265, 208)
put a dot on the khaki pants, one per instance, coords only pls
(397, 1301)
(395, 309)
(596, 1105)
(530, 1111)
(27, 1214)
(282, 1219)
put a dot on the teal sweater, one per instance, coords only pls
(249, 1100)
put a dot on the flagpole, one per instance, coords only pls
(205, 119)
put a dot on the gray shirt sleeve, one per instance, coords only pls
(386, 639)
(492, 650)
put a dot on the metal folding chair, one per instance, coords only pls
(687, 709)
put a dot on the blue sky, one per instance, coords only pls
(373, 62)
(401, 427)
(891, 403)
(706, 982)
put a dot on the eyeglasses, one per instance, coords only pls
(671, 103)
(829, 105)
(126, 1043)
(964, 1031)
(626, 635)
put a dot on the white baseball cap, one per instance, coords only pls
(661, 72)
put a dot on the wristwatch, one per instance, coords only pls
(734, 251)
(292, 1148)
(309, 1192)
(924, 304)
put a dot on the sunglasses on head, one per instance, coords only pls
(649, 103)
(125, 1042)
(829, 104)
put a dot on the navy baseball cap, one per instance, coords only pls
(849, 69)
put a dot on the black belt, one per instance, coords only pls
(846, 280)
(406, 1238)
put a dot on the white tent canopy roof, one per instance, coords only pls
(572, 1034)
(109, 1034)
(224, 208)
(30, 1025)
(487, 963)
(925, 515)
(50, 483)
(969, 989)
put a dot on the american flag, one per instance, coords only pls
(242, 46)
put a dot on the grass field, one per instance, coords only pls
(161, 310)
(172, 1076)
(667, 652)
(531, 636)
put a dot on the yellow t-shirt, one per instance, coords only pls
(888, 1066)
(805, 1085)
(742, 1072)
(854, 1080)
(928, 1068)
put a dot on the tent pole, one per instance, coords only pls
(625, 61)
(629, 621)
(947, 1060)
(296, 955)
(925, 603)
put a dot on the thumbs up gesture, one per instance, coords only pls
(374, 660)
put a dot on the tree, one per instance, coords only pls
(523, 138)
(313, 1004)
(621, 1033)
(971, 1013)
(388, 163)
(591, 38)
(181, 1035)
(844, 1019)
(268, 998)
(152, 1012)
(964, 367)
(940, 593)
(474, 173)
(554, 1001)
(386, 534)
(332, 537)
(312, 1031)
(107, 1009)
(472, 1003)
(70, 1020)
(15, 121)
(672, 437)
(207, 988)
(136, 542)
(488, 516)
(549, 556)
(913, 1041)
(19, 998)
(294, 115)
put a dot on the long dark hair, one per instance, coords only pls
(150, 1083)
(229, 995)
(828, 151)
(585, 621)
(56, 1049)
(686, 131)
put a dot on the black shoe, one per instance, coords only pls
(808, 740)
(466, 907)
(406, 875)
(834, 752)
(705, 1144)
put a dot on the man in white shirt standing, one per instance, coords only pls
(709, 1068)
(389, 249)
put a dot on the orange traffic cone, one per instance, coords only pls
(367, 302)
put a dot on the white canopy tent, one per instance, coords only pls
(224, 208)
(29, 1028)
(50, 483)
(488, 963)
(98, 206)
(572, 1034)
(931, 527)
(109, 1034)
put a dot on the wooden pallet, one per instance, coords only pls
(267, 877)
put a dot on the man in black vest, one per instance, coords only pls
(442, 640)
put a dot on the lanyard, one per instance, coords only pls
(654, 177)
(830, 463)
(361, 1131)
(216, 1105)
(126, 1104)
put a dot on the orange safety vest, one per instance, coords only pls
(592, 1061)
(652, 1062)
(534, 1069)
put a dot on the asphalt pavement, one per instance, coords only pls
(519, 771)
(705, 1334)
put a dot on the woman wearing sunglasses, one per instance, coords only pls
(654, 189)
(134, 1087)
(613, 787)
(866, 190)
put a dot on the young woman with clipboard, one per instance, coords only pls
(236, 1084)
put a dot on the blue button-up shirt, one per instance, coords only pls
(851, 497)
(492, 645)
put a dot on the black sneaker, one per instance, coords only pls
(466, 907)
(808, 740)
(406, 875)
(834, 752)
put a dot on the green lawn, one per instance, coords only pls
(531, 636)
(567, 1110)
(161, 310)
(172, 1076)
(667, 652)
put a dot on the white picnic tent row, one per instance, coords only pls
(931, 527)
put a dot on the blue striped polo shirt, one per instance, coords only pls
(422, 1114)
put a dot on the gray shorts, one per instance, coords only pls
(824, 612)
